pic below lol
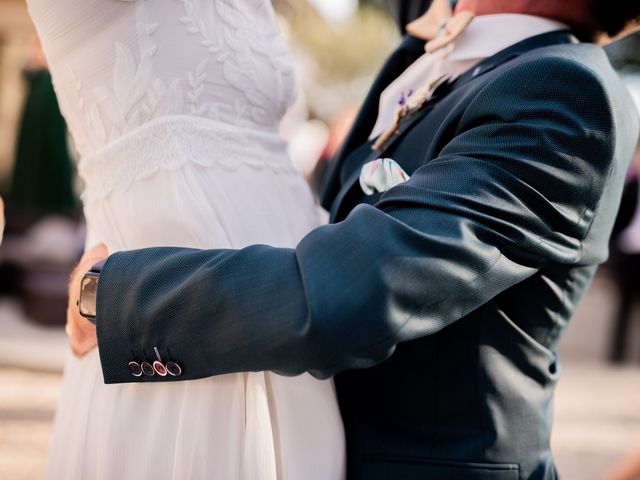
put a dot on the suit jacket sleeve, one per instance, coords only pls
(517, 186)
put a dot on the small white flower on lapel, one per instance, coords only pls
(380, 175)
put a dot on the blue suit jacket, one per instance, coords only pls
(438, 305)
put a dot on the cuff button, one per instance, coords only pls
(147, 369)
(135, 369)
(160, 368)
(174, 369)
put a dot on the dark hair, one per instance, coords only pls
(612, 16)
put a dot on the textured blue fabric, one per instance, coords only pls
(438, 307)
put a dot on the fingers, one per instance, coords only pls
(80, 349)
(426, 27)
(100, 250)
(95, 254)
(452, 30)
(82, 332)
(82, 335)
(422, 29)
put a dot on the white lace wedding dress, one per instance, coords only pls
(174, 107)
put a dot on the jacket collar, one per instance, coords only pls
(479, 40)
(410, 50)
(539, 41)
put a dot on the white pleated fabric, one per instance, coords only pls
(174, 107)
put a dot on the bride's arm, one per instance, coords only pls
(503, 199)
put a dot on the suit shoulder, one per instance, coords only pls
(587, 70)
(569, 86)
(577, 74)
(560, 63)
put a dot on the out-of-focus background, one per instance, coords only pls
(337, 45)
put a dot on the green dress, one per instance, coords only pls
(42, 181)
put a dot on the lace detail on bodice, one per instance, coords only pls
(118, 65)
(170, 142)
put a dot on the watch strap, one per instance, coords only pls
(97, 267)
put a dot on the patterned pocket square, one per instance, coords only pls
(380, 175)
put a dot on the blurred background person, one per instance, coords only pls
(624, 55)
(43, 237)
(43, 172)
(625, 243)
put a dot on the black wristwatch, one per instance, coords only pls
(88, 292)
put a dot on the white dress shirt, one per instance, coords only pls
(485, 36)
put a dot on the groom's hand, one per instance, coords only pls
(81, 331)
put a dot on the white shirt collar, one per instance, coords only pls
(486, 35)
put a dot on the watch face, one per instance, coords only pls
(88, 290)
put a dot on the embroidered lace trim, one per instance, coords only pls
(171, 142)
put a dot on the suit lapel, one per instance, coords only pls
(354, 177)
(333, 202)
(409, 51)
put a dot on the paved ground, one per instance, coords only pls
(597, 406)
(597, 419)
(27, 402)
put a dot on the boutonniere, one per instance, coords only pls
(408, 105)
(380, 175)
